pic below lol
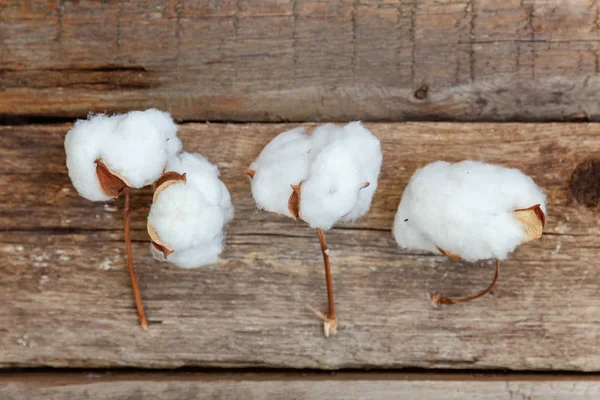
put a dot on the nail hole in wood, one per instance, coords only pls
(421, 92)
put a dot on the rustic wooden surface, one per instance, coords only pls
(66, 297)
(299, 60)
(379, 386)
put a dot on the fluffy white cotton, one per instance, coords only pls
(189, 217)
(135, 146)
(465, 208)
(334, 164)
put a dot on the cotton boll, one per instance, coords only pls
(189, 216)
(183, 217)
(466, 209)
(134, 146)
(193, 257)
(83, 145)
(331, 190)
(283, 162)
(164, 123)
(138, 148)
(343, 176)
(336, 167)
(205, 178)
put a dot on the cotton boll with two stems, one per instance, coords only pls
(133, 148)
(190, 209)
(108, 155)
(322, 178)
(469, 210)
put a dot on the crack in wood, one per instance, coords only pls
(413, 53)
(354, 41)
(471, 9)
(118, 38)
(295, 11)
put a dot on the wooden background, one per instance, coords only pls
(65, 292)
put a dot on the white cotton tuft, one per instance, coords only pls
(337, 166)
(135, 146)
(465, 209)
(189, 217)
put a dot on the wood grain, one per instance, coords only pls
(301, 60)
(66, 298)
(293, 386)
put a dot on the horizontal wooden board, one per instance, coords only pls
(66, 297)
(292, 386)
(299, 60)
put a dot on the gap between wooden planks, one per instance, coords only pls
(295, 386)
(66, 297)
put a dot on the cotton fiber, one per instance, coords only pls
(133, 146)
(334, 169)
(466, 209)
(188, 216)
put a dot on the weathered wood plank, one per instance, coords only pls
(67, 301)
(302, 60)
(292, 386)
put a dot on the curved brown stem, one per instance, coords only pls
(134, 283)
(331, 320)
(442, 300)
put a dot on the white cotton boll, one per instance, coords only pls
(333, 164)
(193, 257)
(139, 147)
(189, 217)
(135, 146)
(83, 145)
(343, 177)
(283, 162)
(183, 217)
(466, 209)
(331, 190)
(205, 178)
(163, 122)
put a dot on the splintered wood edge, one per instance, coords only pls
(167, 179)
(157, 243)
(111, 183)
(532, 220)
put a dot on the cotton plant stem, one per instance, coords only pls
(442, 300)
(331, 321)
(134, 283)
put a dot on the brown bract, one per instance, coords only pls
(294, 201)
(157, 243)
(250, 173)
(448, 254)
(533, 221)
(167, 179)
(111, 183)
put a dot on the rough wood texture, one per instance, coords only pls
(272, 386)
(299, 60)
(66, 298)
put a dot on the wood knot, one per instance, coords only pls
(421, 92)
(585, 183)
